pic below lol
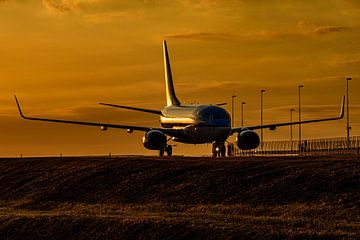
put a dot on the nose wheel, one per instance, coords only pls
(218, 149)
(167, 149)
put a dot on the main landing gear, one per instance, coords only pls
(218, 149)
(167, 149)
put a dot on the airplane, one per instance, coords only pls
(191, 124)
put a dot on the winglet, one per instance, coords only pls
(18, 105)
(342, 108)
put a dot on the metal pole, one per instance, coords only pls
(300, 86)
(261, 116)
(291, 129)
(232, 111)
(347, 113)
(242, 114)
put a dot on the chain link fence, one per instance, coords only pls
(325, 146)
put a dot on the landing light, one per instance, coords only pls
(272, 128)
(129, 130)
(103, 128)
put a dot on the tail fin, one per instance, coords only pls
(171, 98)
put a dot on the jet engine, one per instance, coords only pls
(247, 139)
(154, 140)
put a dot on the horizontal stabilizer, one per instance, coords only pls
(157, 112)
(221, 104)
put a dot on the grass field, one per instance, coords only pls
(180, 198)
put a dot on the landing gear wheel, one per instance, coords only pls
(214, 150)
(222, 150)
(168, 150)
(161, 153)
(218, 149)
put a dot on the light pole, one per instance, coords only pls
(300, 86)
(242, 113)
(348, 127)
(232, 110)
(261, 115)
(291, 129)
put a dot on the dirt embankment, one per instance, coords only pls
(180, 198)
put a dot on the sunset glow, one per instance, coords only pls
(62, 57)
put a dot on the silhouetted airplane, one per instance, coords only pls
(194, 124)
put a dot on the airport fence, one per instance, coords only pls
(326, 146)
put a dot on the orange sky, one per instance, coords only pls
(62, 57)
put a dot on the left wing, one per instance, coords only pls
(275, 125)
(103, 126)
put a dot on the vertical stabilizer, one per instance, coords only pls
(171, 98)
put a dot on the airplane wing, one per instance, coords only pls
(275, 125)
(157, 112)
(103, 126)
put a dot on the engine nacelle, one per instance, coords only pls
(247, 139)
(154, 140)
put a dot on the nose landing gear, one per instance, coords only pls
(218, 149)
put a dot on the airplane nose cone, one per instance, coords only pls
(214, 116)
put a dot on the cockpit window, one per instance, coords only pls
(214, 114)
(218, 116)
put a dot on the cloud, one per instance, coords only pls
(58, 6)
(97, 11)
(324, 79)
(341, 62)
(201, 3)
(252, 36)
(303, 29)
(110, 16)
(267, 34)
(100, 11)
(307, 28)
(199, 36)
(213, 85)
(62, 6)
(330, 29)
(354, 3)
(96, 6)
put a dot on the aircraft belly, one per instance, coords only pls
(198, 135)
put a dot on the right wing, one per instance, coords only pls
(157, 112)
(103, 126)
(275, 125)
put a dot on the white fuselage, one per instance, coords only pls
(200, 123)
